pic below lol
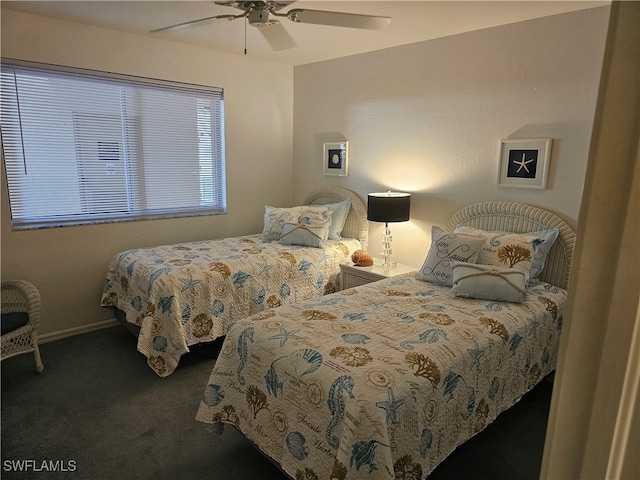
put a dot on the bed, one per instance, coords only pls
(385, 380)
(176, 296)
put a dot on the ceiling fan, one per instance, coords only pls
(258, 14)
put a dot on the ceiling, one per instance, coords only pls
(412, 21)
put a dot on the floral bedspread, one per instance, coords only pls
(380, 381)
(189, 293)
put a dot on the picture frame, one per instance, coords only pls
(524, 163)
(335, 158)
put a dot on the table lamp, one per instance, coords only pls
(388, 207)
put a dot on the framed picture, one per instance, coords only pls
(524, 163)
(335, 158)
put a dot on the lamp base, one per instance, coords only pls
(388, 265)
(386, 247)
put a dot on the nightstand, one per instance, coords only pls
(352, 276)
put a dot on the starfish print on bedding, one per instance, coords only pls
(284, 335)
(476, 354)
(264, 269)
(324, 257)
(189, 284)
(391, 406)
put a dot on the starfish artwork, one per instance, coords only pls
(522, 163)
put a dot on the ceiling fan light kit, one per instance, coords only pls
(259, 18)
(257, 14)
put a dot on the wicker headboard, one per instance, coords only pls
(356, 225)
(521, 218)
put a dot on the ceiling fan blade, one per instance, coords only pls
(197, 23)
(277, 37)
(338, 19)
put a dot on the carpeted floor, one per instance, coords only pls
(98, 412)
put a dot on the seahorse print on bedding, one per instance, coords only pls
(245, 336)
(336, 404)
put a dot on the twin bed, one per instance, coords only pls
(385, 380)
(176, 296)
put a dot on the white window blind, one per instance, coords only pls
(90, 147)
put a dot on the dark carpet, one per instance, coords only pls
(98, 412)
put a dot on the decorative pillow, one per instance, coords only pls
(447, 247)
(539, 243)
(513, 250)
(302, 234)
(542, 243)
(488, 282)
(340, 212)
(315, 215)
(275, 218)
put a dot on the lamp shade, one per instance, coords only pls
(388, 207)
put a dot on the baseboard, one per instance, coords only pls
(70, 332)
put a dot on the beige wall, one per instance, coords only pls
(68, 264)
(428, 118)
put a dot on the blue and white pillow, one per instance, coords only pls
(275, 218)
(316, 215)
(446, 248)
(537, 243)
(542, 243)
(304, 234)
(340, 212)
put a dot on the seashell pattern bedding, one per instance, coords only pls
(380, 379)
(386, 379)
(183, 294)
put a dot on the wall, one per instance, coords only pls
(427, 118)
(68, 264)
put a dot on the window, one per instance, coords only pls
(86, 147)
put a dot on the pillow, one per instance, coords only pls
(541, 241)
(315, 215)
(488, 282)
(447, 247)
(302, 234)
(275, 218)
(340, 212)
(13, 320)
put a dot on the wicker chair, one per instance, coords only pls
(20, 320)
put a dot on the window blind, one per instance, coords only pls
(91, 147)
